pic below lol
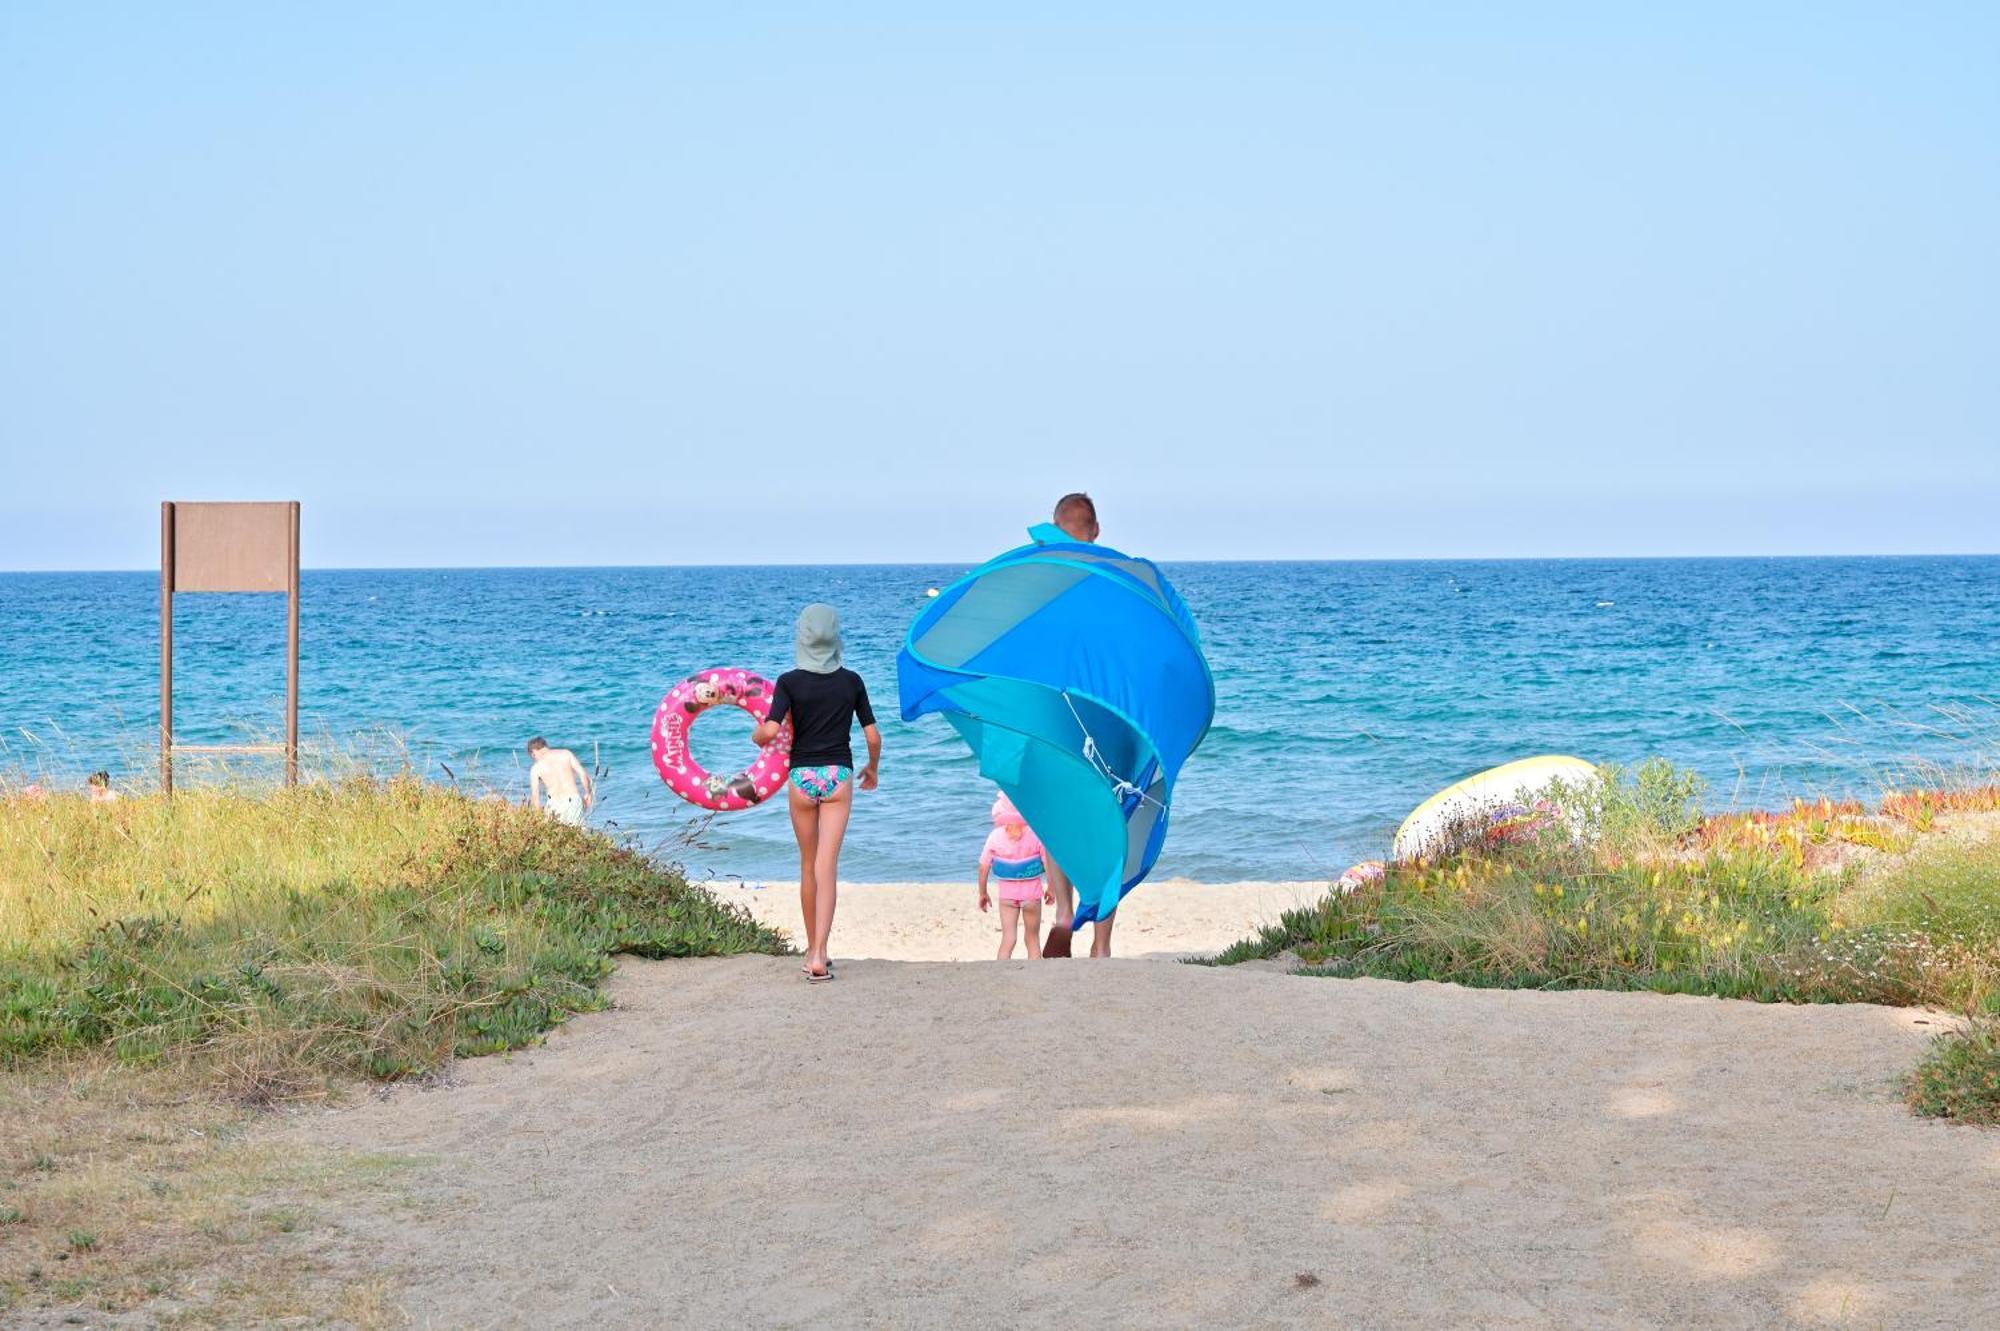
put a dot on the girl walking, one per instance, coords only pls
(823, 700)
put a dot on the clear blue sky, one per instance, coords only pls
(647, 284)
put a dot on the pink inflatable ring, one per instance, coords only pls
(686, 777)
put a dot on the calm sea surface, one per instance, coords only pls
(1347, 692)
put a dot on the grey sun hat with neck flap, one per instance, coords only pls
(818, 639)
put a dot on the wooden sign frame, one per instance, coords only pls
(229, 547)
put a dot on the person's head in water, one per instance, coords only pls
(817, 640)
(537, 746)
(1077, 515)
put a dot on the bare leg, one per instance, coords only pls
(805, 827)
(1065, 894)
(1100, 935)
(833, 815)
(1031, 920)
(1010, 922)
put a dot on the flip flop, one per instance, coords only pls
(821, 978)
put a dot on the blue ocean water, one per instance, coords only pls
(1347, 692)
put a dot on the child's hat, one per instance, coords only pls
(1004, 812)
(817, 639)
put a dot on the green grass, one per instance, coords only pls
(285, 937)
(1960, 1078)
(1738, 924)
(1950, 899)
(1820, 904)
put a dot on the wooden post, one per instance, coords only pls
(167, 647)
(229, 547)
(292, 657)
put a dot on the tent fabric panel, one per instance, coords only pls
(1142, 571)
(1140, 576)
(1096, 642)
(1016, 729)
(920, 687)
(1068, 804)
(1042, 647)
(988, 608)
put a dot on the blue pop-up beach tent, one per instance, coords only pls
(1076, 674)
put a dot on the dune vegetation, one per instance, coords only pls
(1826, 902)
(277, 938)
(167, 969)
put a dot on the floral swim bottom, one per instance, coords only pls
(820, 784)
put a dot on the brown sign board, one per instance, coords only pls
(232, 547)
(229, 547)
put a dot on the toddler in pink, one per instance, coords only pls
(1013, 858)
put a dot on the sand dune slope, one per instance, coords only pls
(1148, 1144)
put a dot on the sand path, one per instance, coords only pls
(1215, 1148)
(942, 922)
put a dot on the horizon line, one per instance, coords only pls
(953, 563)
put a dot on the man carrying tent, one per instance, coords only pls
(1075, 674)
(1076, 516)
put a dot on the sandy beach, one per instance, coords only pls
(1148, 1144)
(942, 922)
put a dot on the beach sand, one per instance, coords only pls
(941, 921)
(1146, 1144)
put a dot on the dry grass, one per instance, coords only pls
(124, 1189)
(171, 971)
(372, 928)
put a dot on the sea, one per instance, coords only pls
(1346, 692)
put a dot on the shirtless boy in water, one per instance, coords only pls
(557, 775)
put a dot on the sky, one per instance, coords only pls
(640, 284)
